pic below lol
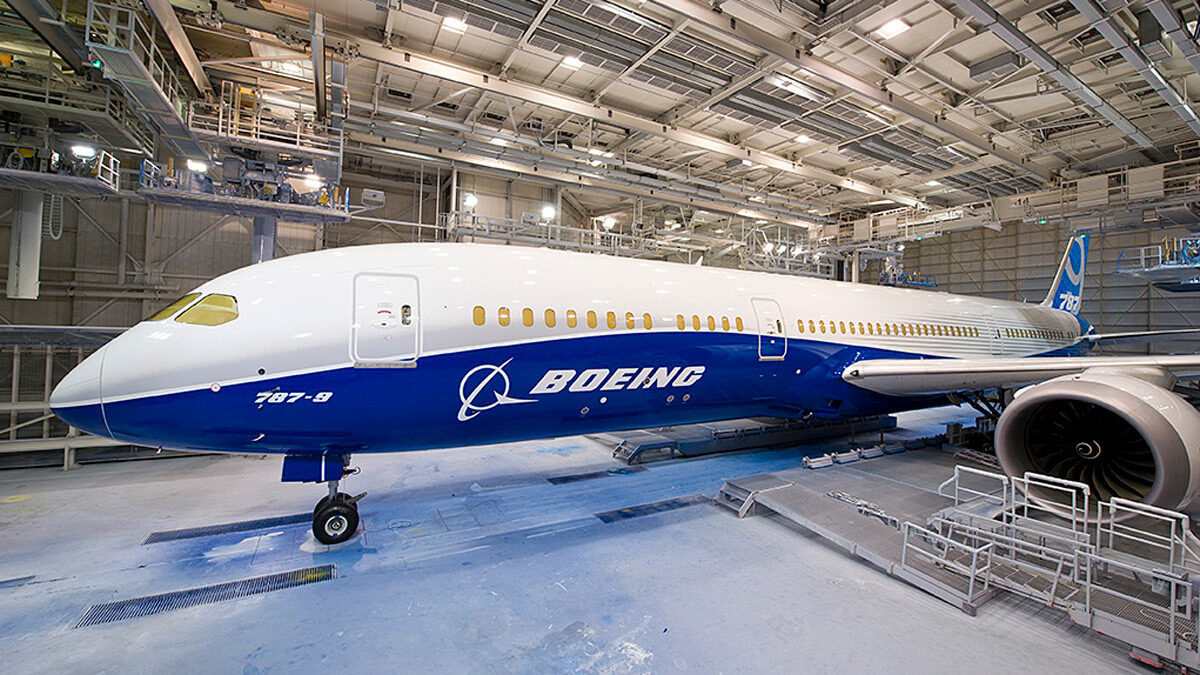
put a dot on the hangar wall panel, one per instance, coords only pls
(1019, 263)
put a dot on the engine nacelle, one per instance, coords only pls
(1123, 436)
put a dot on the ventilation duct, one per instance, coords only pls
(996, 66)
(1151, 38)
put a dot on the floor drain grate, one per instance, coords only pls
(575, 477)
(227, 528)
(204, 595)
(652, 507)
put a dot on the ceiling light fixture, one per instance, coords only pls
(572, 63)
(454, 25)
(891, 29)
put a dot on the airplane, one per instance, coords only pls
(396, 347)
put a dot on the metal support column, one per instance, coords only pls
(855, 263)
(25, 252)
(263, 239)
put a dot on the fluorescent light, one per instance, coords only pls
(760, 222)
(796, 250)
(802, 139)
(933, 183)
(547, 212)
(757, 198)
(891, 29)
(197, 166)
(469, 201)
(768, 247)
(454, 25)
(595, 151)
(498, 141)
(313, 181)
(608, 222)
(572, 63)
(83, 151)
(745, 212)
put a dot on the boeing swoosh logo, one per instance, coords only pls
(1074, 267)
(491, 380)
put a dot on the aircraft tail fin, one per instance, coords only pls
(1066, 293)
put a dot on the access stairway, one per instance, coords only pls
(1125, 569)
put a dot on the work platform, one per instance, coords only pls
(1123, 569)
(694, 440)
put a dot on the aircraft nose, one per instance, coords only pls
(77, 399)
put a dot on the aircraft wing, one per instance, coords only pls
(934, 376)
(1142, 336)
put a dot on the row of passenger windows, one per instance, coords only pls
(593, 319)
(1035, 333)
(630, 320)
(868, 328)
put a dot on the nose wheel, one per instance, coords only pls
(335, 518)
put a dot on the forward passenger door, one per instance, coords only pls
(772, 344)
(386, 329)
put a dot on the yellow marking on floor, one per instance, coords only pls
(13, 499)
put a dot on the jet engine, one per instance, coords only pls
(1122, 432)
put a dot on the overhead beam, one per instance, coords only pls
(44, 19)
(756, 38)
(1026, 47)
(317, 20)
(501, 167)
(165, 14)
(1107, 26)
(427, 65)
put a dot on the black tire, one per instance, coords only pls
(336, 523)
(341, 497)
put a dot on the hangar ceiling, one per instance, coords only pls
(778, 112)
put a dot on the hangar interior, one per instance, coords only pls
(148, 146)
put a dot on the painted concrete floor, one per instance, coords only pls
(470, 561)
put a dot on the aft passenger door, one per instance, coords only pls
(386, 329)
(772, 345)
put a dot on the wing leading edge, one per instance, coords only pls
(913, 377)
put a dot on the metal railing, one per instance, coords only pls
(459, 224)
(942, 554)
(1160, 535)
(953, 487)
(1173, 608)
(241, 115)
(122, 27)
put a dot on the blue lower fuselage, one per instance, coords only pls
(484, 396)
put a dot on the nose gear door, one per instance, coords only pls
(386, 330)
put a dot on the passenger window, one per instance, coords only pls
(740, 327)
(591, 316)
(725, 323)
(503, 315)
(852, 328)
(480, 315)
(612, 319)
(800, 325)
(647, 321)
(551, 320)
(861, 331)
(842, 327)
(870, 329)
(629, 322)
(406, 315)
(168, 311)
(812, 327)
(712, 323)
(527, 317)
(695, 322)
(572, 319)
(212, 310)
(680, 322)
(822, 325)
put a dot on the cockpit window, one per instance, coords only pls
(169, 310)
(213, 310)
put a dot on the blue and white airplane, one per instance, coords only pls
(410, 346)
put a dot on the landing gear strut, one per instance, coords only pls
(335, 518)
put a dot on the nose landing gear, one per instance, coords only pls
(335, 517)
